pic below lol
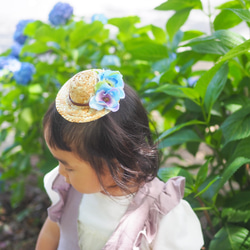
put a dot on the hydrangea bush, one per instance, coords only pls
(196, 107)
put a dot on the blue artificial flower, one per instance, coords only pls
(10, 63)
(24, 75)
(113, 79)
(60, 13)
(18, 36)
(108, 60)
(99, 17)
(106, 97)
(16, 49)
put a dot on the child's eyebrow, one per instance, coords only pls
(62, 161)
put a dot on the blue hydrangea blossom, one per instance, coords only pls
(16, 49)
(18, 36)
(10, 63)
(60, 13)
(99, 17)
(24, 75)
(109, 60)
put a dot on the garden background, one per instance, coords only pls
(190, 66)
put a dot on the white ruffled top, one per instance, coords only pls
(99, 215)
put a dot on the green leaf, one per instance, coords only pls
(215, 87)
(180, 137)
(226, 19)
(145, 49)
(179, 5)
(176, 21)
(166, 173)
(25, 120)
(9, 98)
(206, 78)
(125, 24)
(199, 40)
(236, 215)
(83, 32)
(210, 47)
(231, 237)
(240, 49)
(239, 200)
(230, 4)
(229, 38)
(178, 91)
(202, 173)
(31, 28)
(47, 33)
(190, 93)
(214, 180)
(18, 189)
(36, 47)
(240, 157)
(178, 127)
(159, 34)
(35, 89)
(237, 125)
(190, 34)
(242, 14)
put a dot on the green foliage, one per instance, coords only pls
(197, 106)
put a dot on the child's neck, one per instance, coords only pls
(117, 191)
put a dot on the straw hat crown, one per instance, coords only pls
(82, 87)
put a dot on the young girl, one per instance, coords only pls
(105, 193)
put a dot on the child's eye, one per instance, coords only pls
(69, 169)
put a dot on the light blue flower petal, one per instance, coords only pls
(114, 78)
(94, 105)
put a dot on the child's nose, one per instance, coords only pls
(62, 171)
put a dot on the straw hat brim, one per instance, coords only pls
(75, 113)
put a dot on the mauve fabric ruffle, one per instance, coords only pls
(61, 187)
(153, 200)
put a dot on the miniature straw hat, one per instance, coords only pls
(72, 101)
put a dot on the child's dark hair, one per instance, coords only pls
(121, 140)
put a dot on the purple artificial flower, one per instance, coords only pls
(60, 13)
(24, 75)
(18, 36)
(106, 97)
(99, 17)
